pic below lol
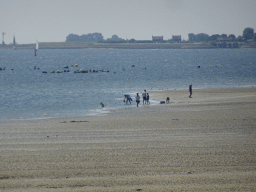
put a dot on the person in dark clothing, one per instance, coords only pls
(167, 100)
(190, 90)
(148, 99)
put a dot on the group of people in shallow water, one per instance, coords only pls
(145, 97)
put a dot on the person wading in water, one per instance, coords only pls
(137, 99)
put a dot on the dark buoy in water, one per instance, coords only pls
(198, 66)
(102, 105)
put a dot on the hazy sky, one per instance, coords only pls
(53, 20)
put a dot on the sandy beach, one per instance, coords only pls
(203, 143)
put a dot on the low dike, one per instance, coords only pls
(76, 45)
(85, 45)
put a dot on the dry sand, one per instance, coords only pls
(204, 143)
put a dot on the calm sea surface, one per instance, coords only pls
(27, 93)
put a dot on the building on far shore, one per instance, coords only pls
(157, 39)
(176, 38)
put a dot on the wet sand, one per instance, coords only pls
(203, 143)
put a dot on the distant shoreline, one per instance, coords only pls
(85, 45)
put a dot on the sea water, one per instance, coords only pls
(28, 93)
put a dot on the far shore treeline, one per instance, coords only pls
(194, 41)
(248, 35)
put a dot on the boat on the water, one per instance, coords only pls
(37, 47)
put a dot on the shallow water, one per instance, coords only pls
(27, 93)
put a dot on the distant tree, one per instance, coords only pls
(132, 41)
(191, 37)
(248, 33)
(214, 37)
(224, 35)
(239, 38)
(72, 38)
(202, 37)
(232, 36)
(91, 37)
(254, 37)
(115, 39)
(198, 38)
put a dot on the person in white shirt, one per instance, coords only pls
(137, 99)
(144, 96)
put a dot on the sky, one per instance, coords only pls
(53, 20)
